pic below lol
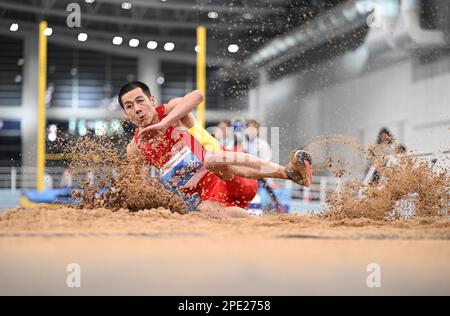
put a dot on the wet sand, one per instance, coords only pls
(163, 253)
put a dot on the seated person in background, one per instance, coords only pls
(224, 134)
(255, 145)
(384, 147)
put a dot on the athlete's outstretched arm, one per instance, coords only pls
(183, 106)
(176, 110)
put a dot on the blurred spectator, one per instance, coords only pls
(395, 158)
(48, 181)
(224, 134)
(384, 148)
(259, 147)
(90, 177)
(256, 145)
(400, 149)
(385, 137)
(238, 127)
(66, 179)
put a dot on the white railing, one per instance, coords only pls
(14, 178)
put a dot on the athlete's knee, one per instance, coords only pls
(209, 160)
(222, 171)
(213, 158)
(211, 209)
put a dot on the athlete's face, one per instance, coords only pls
(139, 108)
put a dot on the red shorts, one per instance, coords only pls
(236, 192)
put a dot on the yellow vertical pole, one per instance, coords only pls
(201, 71)
(41, 137)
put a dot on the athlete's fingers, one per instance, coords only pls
(146, 130)
(154, 128)
(146, 134)
(145, 139)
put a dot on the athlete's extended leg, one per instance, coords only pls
(226, 164)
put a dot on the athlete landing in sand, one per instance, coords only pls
(189, 158)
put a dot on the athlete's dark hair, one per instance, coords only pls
(131, 86)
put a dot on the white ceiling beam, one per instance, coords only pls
(126, 20)
(158, 4)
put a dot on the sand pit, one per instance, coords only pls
(138, 238)
(73, 221)
(160, 252)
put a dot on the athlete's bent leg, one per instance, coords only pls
(227, 163)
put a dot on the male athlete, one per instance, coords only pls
(169, 138)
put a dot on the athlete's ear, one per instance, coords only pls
(153, 100)
(125, 116)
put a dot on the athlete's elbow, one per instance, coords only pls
(131, 152)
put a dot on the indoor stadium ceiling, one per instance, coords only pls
(249, 24)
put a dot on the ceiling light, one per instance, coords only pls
(213, 15)
(233, 48)
(169, 46)
(117, 40)
(48, 31)
(14, 27)
(133, 42)
(126, 6)
(82, 37)
(152, 45)
(160, 80)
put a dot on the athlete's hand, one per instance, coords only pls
(152, 133)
